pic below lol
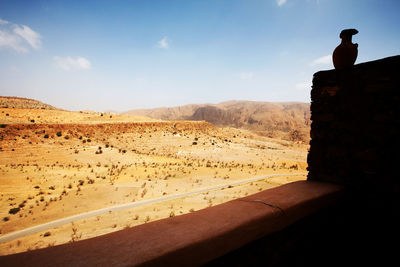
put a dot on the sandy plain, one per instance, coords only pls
(54, 164)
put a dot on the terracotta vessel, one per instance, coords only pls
(346, 53)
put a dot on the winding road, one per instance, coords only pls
(81, 216)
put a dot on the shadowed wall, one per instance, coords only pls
(355, 130)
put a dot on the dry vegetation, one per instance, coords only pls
(65, 163)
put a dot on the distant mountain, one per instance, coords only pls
(172, 113)
(290, 120)
(25, 103)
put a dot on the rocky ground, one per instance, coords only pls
(65, 163)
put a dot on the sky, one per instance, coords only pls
(123, 55)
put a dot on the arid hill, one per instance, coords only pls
(23, 103)
(16, 110)
(58, 163)
(289, 120)
(168, 113)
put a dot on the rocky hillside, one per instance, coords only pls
(171, 113)
(23, 103)
(289, 120)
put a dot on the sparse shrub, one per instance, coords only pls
(14, 210)
(3, 125)
(295, 167)
(47, 234)
(58, 134)
(144, 192)
(33, 121)
(194, 143)
(74, 235)
(6, 219)
(172, 214)
(46, 136)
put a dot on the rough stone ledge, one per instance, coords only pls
(354, 130)
(195, 238)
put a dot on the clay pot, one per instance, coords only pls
(346, 53)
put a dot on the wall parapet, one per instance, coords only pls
(355, 115)
(195, 238)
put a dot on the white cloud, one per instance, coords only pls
(29, 35)
(280, 2)
(325, 60)
(163, 43)
(246, 75)
(18, 37)
(12, 41)
(70, 63)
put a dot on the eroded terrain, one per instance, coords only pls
(66, 163)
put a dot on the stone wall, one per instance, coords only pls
(355, 128)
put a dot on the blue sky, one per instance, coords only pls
(121, 55)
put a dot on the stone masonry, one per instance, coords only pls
(355, 130)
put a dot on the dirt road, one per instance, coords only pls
(81, 216)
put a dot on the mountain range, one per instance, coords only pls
(288, 120)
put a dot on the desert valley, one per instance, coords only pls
(56, 163)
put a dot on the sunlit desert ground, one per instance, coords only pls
(55, 164)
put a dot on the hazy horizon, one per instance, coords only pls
(146, 54)
(209, 103)
(172, 106)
